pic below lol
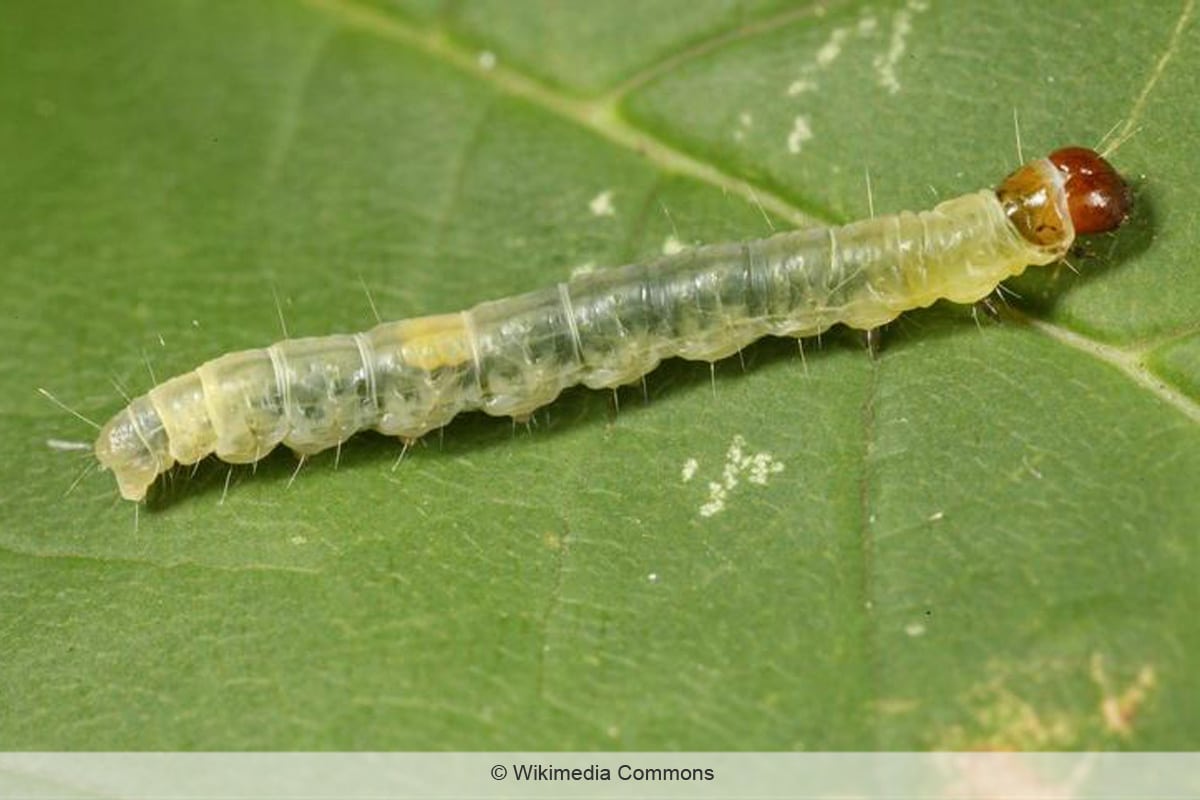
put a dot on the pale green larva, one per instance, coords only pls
(609, 327)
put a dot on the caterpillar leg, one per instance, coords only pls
(1082, 249)
(523, 419)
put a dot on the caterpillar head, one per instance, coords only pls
(1073, 191)
(133, 444)
(1098, 198)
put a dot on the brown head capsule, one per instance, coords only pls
(1098, 198)
(1074, 185)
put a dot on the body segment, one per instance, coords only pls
(602, 329)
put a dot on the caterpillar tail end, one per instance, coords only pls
(133, 445)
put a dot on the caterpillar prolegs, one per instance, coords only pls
(610, 327)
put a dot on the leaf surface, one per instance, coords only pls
(986, 537)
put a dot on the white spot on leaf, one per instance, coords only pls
(885, 64)
(801, 133)
(832, 48)
(756, 467)
(689, 469)
(601, 205)
(829, 52)
(801, 85)
(745, 123)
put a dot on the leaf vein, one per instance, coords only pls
(1132, 364)
(599, 116)
(1160, 66)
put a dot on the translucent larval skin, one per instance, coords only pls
(602, 329)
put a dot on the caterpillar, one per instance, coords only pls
(610, 327)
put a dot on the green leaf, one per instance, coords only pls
(986, 537)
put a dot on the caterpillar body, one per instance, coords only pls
(609, 327)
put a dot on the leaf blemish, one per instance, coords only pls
(601, 205)
(801, 133)
(758, 468)
(1120, 708)
(689, 469)
(831, 50)
(885, 65)
(745, 123)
